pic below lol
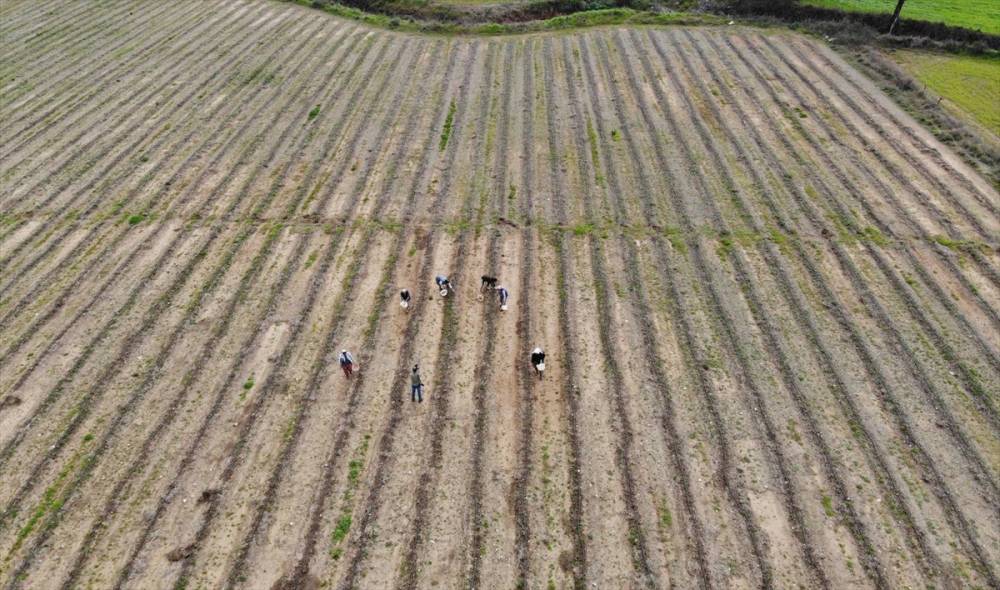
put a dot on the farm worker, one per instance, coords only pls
(443, 284)
(404, 298)
(346, 363)
(503, 294)
(416, 386)
(538, 361)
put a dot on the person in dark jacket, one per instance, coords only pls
(404, 298)
(416, 386)
(444, 285)
(346, 363)
(538, 361)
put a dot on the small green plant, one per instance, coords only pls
(136, 219)
(343, 527)
(828, 506)
(583, 229)
(449, 120)
(313, 113)
(615, 136)
(88, 437)
(311, 259)
(248, 384)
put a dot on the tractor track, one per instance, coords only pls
(429, 477)
(796, 302)
(956, 519)
(245, 350)
(570, 384)
(912, 307)
(85, 405)
(280, 366)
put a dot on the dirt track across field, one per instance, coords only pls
(770, 303)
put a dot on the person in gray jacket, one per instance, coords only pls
(416, 386)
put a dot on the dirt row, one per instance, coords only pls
(768, 298)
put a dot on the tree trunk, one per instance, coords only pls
(895, 16)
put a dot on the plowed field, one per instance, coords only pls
(770, 302)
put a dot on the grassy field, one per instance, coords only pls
(768, 297)
(981, 15)
(970, 83)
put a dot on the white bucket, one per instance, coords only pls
(503, 308)
(404, 304)
(444, 292)
(541, 367)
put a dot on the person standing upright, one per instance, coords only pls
(416, 386)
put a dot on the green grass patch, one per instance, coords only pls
(980, 15)
(828, 506)
(968, 84)
(594, 157)
(313, 113)
(449, 120)
(136, 219)
(248, 384)
(311, 259)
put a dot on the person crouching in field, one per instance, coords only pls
(443, 284)
(503, 295)
(538, 361)
(347, 363)
(404, 298)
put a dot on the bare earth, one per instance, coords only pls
(770, 303)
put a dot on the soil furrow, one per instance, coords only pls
(194, 373)
(90, 36)
(132, 104)
(429, 477)
(318, 368)
(85, 405)
(45, 122)
(483, 372)
(570, 385)
(38, 289)
(608, 333)
(328, 148)
(985, 198)
(53, 241)
(525, 332)
(956, 518)
(35, 44)
(792, 502)
(901, 212)
(970, 380)
(369, 510)
(125, 265)
(875, 459)
(238, 456)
